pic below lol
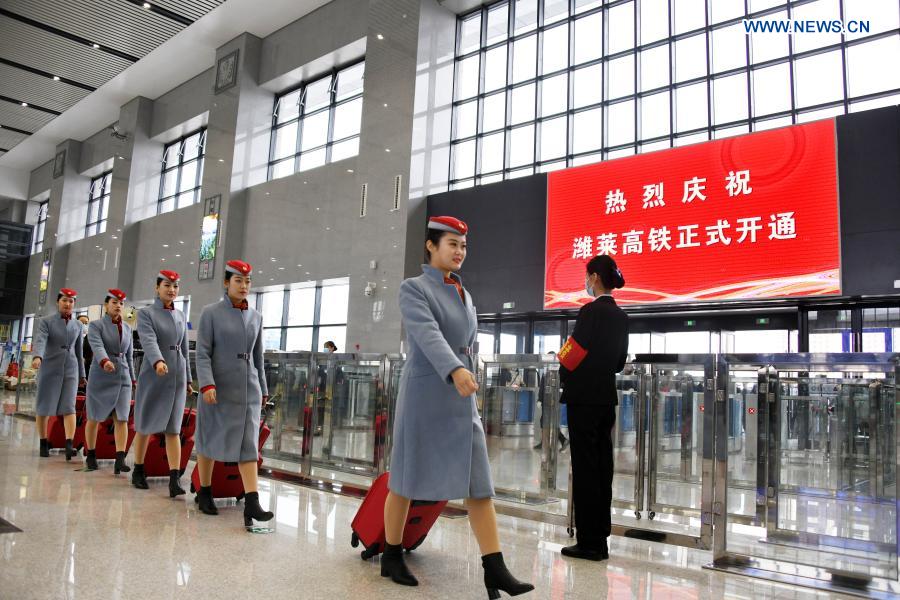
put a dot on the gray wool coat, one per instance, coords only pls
(58, 343)
(230, 358)
(159, 405)
(108, 392)
(439, 450)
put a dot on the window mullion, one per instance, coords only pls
(301, 119)
(332, 101)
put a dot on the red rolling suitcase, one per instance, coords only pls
(106, 439)
(56, 432)
(226, 478)
(156, 463)
(368, 524)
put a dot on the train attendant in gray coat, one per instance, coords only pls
(439, 450)
(111, 379)
(233, 383)
(60, 366)
(164, 380)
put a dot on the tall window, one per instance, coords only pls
(27, 330)
(98, 205)
(40, 226)
(182, 174)
(541, 85)
(317, 123)
(304, 318)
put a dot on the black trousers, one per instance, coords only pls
(591, 444)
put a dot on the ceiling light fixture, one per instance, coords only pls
(380, 37)
(56, 78)
(96, 46)
(24, 104)
(147, 5)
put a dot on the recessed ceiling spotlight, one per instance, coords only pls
(147, 5)
(380, 37)
(165, 245)
(96, 46)
(24, 104)
(349, 170)
(56, 78)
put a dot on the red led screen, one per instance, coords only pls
(747, 217)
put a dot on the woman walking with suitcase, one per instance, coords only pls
(233, 383)
(60, 366)
(164, 380)
(439, 450)
(111, 379)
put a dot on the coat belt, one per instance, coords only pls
(244, 356)
(66, 348)
(174, 347)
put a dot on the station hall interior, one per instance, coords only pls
(738, 159)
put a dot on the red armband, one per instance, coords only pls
(103, 362)
(571, 354)
(206, 388)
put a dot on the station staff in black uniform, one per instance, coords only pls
(589, 361)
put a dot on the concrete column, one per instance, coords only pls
(385, 138)
(240, 119)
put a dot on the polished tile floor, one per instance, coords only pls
(90, 535)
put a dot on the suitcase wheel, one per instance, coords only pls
(369, 552)
(571, 532)
(354, 540)
(239, 497)
(193, 491)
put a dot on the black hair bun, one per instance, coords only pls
(610, 275)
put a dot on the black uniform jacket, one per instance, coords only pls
(602, 330)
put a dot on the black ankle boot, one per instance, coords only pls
(70, 451)
(90, 461)
(45, 448)
(497, 577)
(121, 467)
(205, 501)
(138, 479)
(393, 566)
(175, 488)
(253, 511)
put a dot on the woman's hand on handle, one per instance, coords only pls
(109, 367)
(209, 396)
(36, 363)
(465, 382)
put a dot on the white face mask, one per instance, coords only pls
(589, 288)
(84, 328)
